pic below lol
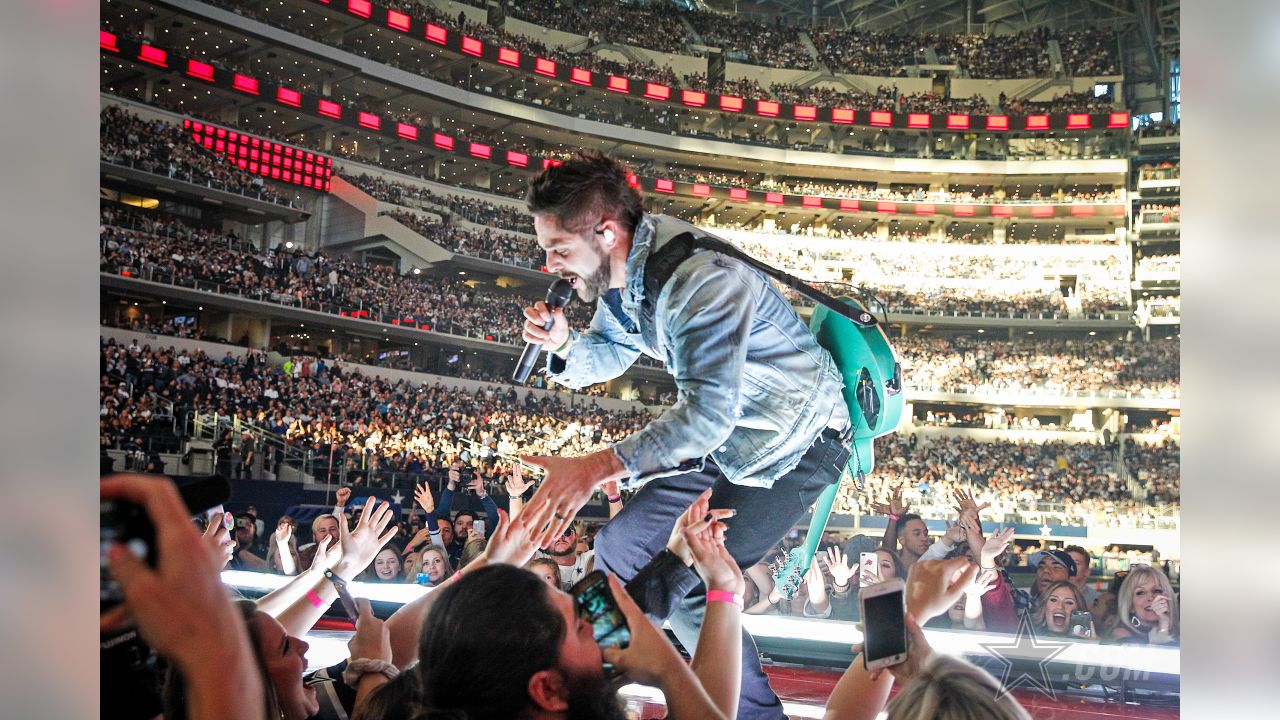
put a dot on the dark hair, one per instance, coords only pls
(588, 184)
(898, 569)
(469, 513)
(1088, 559)
(902, 521)
(396, 700)
(486, 635)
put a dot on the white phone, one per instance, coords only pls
(868, 569)
(884, 634)
(478, 527)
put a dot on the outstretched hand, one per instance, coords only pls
(362, 543)
(516, 539)
(712, 561)
(569, 485)
(422, 494)
(217, 536)
(698, 511)
(895, 506)
(935, 585)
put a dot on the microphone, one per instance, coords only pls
(558, 295)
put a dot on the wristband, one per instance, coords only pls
(726, 597)
(567, 342)
(612, 500)
(315, 599)
(454, 576)
(893, 517)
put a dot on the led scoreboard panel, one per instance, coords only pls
(258, 156)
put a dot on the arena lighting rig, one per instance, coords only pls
(834, 637)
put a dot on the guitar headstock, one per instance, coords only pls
(787, 579)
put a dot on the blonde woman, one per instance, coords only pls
(1146, 609)
(1052, 612)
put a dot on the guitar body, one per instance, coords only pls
(873, 394)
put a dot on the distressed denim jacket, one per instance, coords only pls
(755, 388)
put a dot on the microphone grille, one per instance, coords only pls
(560, 293)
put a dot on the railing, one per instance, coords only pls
(186, 176)
(271, 448)
(1167, 517)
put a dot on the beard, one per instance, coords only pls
(570, 550)
(597, 283)
(593, 699)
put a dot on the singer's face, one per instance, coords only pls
(577, 257)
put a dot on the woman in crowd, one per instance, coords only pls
(1052, 612)
(387, 567)
(432, 561)
(1147, 609)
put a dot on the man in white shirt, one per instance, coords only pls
(564, 553)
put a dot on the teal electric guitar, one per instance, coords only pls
(873, 393)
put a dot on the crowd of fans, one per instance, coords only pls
(1080, 366)
(1156, 467)
(1153, 213)
(479, 212)
(1159, 264)
(158, 147)
(362, 427)
(500, 247)
(167, 249)
(1077, 483)
(1081, 102)
(498, 637)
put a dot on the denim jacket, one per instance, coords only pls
(755, 388)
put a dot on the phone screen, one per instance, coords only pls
(596, 605)
(478, 527)
(886, 631)
(1081, 623)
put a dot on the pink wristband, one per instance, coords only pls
(725, 596)
(454, 576)
(314, 599)
(894, 517)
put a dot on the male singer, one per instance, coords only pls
(760, 417)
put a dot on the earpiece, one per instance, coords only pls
(608, 235)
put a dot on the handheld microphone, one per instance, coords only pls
(558, 295)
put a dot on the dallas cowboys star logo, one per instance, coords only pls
(398, 499)
(1026, 646)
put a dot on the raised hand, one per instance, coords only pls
(517, 484)
(515, 540)
(965, 502)
(422, 494)
(418, 539)
(955, 533)
(712, 561)
(895, 506)
(342, 496)
(328, 553)
(372, 639)
(650, 655)
(982, 583)
(993, 547)
(283, 532)
(699, 511)
(918, 652)
(841, 571)
(935, 585)
(362, 543)
(217, 537)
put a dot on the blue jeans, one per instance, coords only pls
(632, 546)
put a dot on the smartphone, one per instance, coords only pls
(478, 527)
(595, 604)
(127, 524)
(884, 640)
(1081, 624)
(348, 602)
(868, 569)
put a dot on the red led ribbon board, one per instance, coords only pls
(260, 156)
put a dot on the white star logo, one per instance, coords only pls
(397, 498)
(1025, 647)
(1046, 530)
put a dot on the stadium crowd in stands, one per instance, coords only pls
(1083, 366)
(167, 249)
(164, 149)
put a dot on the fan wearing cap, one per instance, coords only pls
(1051, 566)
